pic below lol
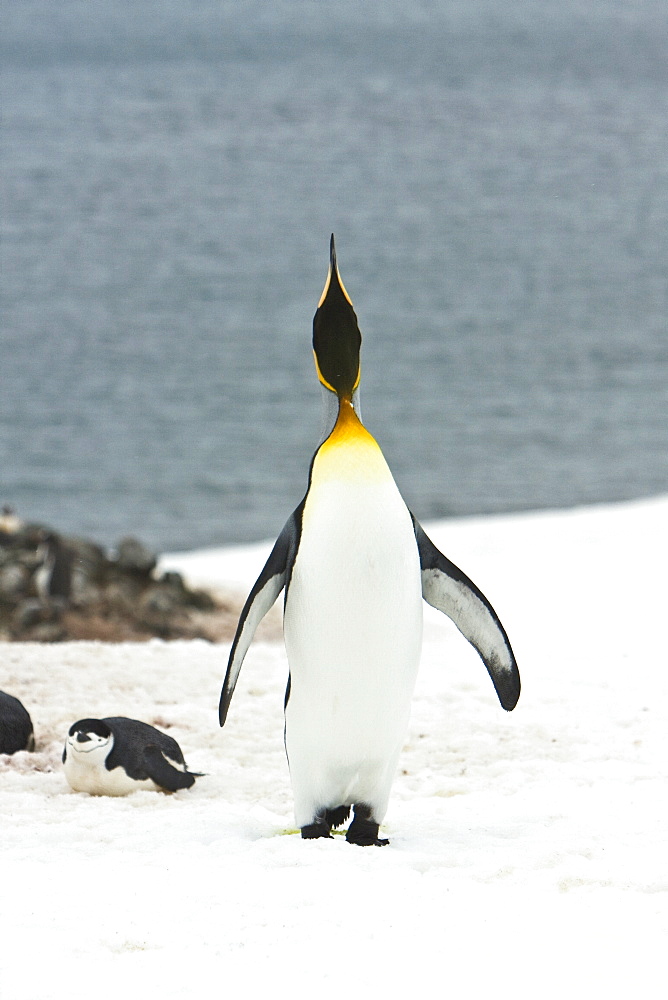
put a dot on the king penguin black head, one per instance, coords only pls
(336, 335)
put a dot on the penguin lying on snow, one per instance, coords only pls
(16, 732)
(116, 756)
(355, 565)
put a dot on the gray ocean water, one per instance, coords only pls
(497, 178)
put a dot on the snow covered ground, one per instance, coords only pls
(528, 851)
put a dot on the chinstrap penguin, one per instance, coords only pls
(16, 732)
(116, 756)
(355, 565)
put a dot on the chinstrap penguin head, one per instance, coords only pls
(90, 740)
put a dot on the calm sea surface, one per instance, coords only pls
(497, 178)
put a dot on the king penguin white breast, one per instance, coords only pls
(353, 627)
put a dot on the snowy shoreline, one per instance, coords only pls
(528, 847)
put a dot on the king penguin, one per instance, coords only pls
(116, 756)
(355, 565)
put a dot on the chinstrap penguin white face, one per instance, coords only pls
(91, 737)
(89, 742)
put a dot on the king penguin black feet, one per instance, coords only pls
(319, 828)
(324, 822)
(364, 830)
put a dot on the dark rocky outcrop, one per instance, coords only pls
(55, 587)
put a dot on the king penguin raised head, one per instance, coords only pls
(355, 565)
(336, 335)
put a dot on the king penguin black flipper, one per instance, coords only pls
(261, 599)
(447, 589)
(355, 566)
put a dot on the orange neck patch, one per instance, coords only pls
(350, 451)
